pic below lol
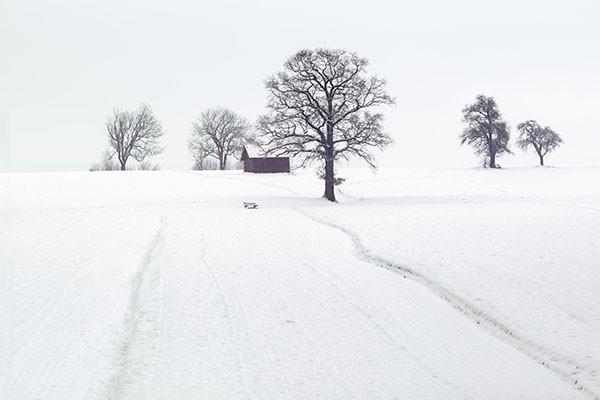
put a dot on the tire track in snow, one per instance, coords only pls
(132, 314)
(226, 303)
(564, 367)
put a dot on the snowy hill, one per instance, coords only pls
(418, 284)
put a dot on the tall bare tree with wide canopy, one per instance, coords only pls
(542, 139)
(134, 134)
(319, 110)
(486, 131)
(218, 133)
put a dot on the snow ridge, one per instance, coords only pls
(132, 315)
(566, 368)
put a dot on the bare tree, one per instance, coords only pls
(201, 164)
(319, 111)
(485, 131)
(543, 140)
(106, 164)
(134, 134)
(218, 133)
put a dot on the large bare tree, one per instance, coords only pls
(218, 133)
(486, 131)
(319, 110)
(134, 134)
(542, 139)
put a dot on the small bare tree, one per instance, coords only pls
(319, 110)
(134, 134)
(106, 164)
(205, 163)
(543, 140)
(485, 131)
(199, 155)
(218, 133)
(147, 165)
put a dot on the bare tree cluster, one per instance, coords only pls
(319, 110)
(542, 139)
(489, 134)
(322, 107)
(219, 134)
(134, 134)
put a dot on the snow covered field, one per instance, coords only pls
(419, 284)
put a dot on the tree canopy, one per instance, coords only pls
(134, 134)
(542, 139)
(218, 133)
(320, 110)
(486, 131)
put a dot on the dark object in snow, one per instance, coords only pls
(250, 205)
(264, 165)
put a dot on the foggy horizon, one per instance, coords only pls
(67, 64)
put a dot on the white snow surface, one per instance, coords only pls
(417, 284)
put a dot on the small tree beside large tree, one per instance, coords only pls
(542, 139)
(134, 134)
(486, 131)
(218, 133)
(320, 110)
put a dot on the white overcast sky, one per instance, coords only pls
(65, 64)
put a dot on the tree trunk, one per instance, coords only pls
(329, 167)
(329, 170)
(492, 160)
(541, 160)
(123, 165)
(329, 180)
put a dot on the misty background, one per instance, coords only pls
(64, 66)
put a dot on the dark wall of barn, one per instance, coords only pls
(267, 165)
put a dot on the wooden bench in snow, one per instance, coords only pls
(250, 205)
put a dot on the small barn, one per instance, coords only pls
(263, 165)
